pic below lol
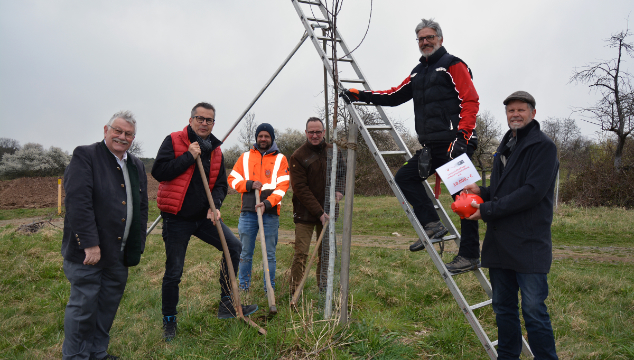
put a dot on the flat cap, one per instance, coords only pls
(521, 96)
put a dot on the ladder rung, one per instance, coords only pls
(378, 127)
(341, 59)
(482, 304)
(494, 343)
(326, 38)
(399, 152)
(317, 20)
(449, 237)
(308, 2)
(360, 81)
(444, 238)
(361, 103)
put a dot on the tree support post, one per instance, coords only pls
(346, 241)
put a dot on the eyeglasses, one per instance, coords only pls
(312, 133)
(118, 132)
(201, 119)
(429, 38)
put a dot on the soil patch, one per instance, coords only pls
(41, 192)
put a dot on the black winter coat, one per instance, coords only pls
(96, 212)
(518, 207)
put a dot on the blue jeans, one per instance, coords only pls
(249, 229)
(534, 288)
(408, 179)
(176, 234)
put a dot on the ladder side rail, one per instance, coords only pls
(397, 138)
(442, 213)
(436, 259)
(484, 282)
(313, 37)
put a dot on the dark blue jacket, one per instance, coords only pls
(518, 207)
(96, 210)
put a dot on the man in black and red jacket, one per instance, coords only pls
(445, 108)
(185, 209)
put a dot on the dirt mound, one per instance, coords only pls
(41, 192)
(25, 193)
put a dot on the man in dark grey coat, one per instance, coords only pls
(104, 234)
(517, 247)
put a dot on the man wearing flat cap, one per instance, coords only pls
(517, 247)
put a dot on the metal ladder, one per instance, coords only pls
(313, 21)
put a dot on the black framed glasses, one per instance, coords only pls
(118, 132)
(201, 119)
(429, 38)
(311, 133)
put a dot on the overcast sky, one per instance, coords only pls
(67, 66)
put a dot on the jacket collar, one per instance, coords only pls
(435, 56)
(526, 138)
(191, 135)
(318, 147)
(273, 149)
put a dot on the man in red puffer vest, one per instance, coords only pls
(186, 211)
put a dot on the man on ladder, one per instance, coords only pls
(445, 108)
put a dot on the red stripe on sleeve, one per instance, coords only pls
(470, 103)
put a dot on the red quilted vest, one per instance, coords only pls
(171, 194)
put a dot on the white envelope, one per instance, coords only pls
(458, 173)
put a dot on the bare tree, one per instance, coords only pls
(572, 147)
(247, 134)
(614, 111)
(489, 133)
(136, 148)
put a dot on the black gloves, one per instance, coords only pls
(458, 146)
(355, 95)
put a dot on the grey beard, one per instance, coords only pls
(426, 56)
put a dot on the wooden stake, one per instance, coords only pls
(59, 196)
(270, 294)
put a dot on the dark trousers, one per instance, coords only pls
(95, 294)
(411, 184)
(176, 235)
(534, 287)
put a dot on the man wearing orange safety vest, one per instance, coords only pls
(266, 169)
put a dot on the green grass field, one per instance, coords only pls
(400, 307)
